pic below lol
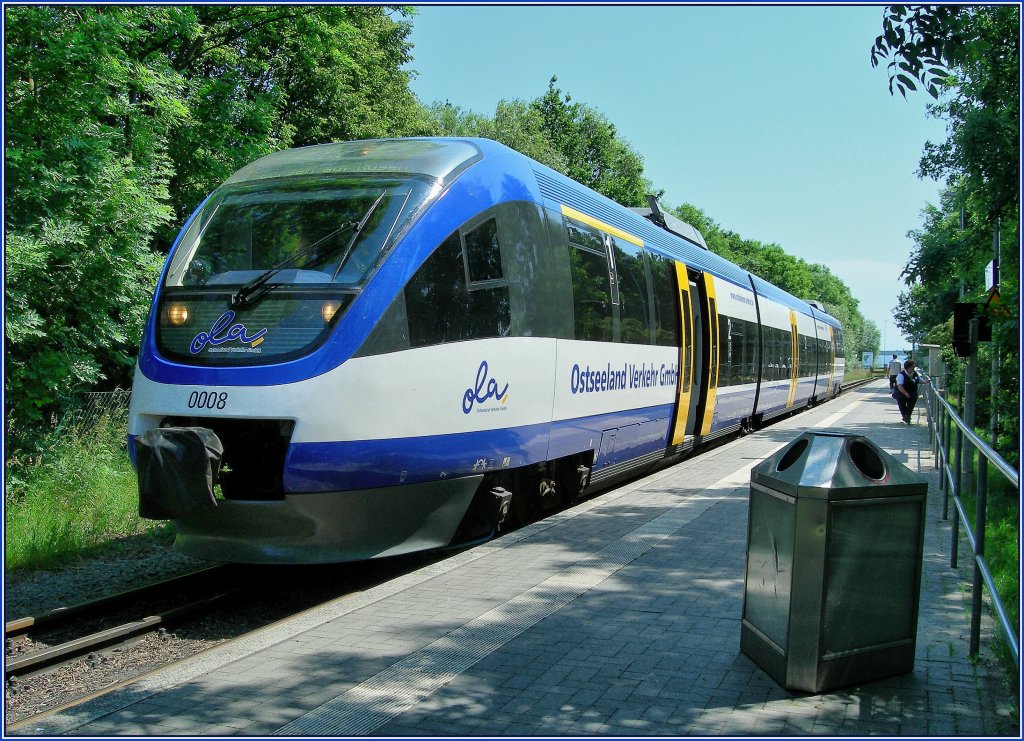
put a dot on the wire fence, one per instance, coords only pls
(91, 406)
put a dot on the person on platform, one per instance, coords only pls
(905, 393)
(894, 370)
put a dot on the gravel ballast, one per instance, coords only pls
(126, 565)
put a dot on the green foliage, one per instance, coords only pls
(515, 124)
(572, 138)
(120, 119)
(84, 493)
(924, 41)
(596, 155)
(968, 57)
(86, 189)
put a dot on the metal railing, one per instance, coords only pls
(952, 441)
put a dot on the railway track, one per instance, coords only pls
(57, 659)
(39, 642)
(861, 382)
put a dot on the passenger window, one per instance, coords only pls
(584, 236)
(591, 294)
(441, 308)
(739, 354)
(634, 313)
(483, 253)
(666, 304)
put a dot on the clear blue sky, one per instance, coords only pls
(770, 119)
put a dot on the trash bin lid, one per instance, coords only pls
(835, 465)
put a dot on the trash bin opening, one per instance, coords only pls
(792, 455)
(867, 460)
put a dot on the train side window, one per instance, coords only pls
(391, 333)
(591, 294)
(505, 274)
(584, 235)
(777, 349)
(738, 355)
(441, 308)
(535, 263)
(824, 358)
(726, 375)
(592, 289)
(483, 254)
(807, 356)
(634, 292)
(750, 352)
(665, 304)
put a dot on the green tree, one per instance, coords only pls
(87, 187)
(570, 137)
(595, 154)
(120, 119)
(968, 59)
(263, 78)
(515, 124)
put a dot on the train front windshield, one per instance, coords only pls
(265, 269)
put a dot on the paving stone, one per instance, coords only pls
(619, 617)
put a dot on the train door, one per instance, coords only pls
(704, 296)
(831, 360)
(698, 354)
(689, 350)
(794, 354)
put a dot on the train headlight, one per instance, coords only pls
(177, 314)
(329, 309)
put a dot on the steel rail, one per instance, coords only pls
(55, 617)
(64, 652)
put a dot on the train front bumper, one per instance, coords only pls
(328, 527)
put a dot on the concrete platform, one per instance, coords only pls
(619, 617)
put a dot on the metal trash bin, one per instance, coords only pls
(835, 542)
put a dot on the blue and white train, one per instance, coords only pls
(370, 348)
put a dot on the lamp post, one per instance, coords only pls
(881, 352)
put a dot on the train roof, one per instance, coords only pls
(679, 243)
(441, 159)
(445, 158)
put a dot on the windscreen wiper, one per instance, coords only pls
(355, 235)
(254, 289)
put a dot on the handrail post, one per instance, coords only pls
(979, 553)
(970, 401)
(947, 461)
(930, 402)
(957, 478)
(947, 439)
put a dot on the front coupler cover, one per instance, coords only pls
(177, 469)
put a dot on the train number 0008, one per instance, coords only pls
(208, 400)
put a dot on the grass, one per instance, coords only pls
(80, 497)
(1002, 543)
(1002, 548)
(856, 374)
